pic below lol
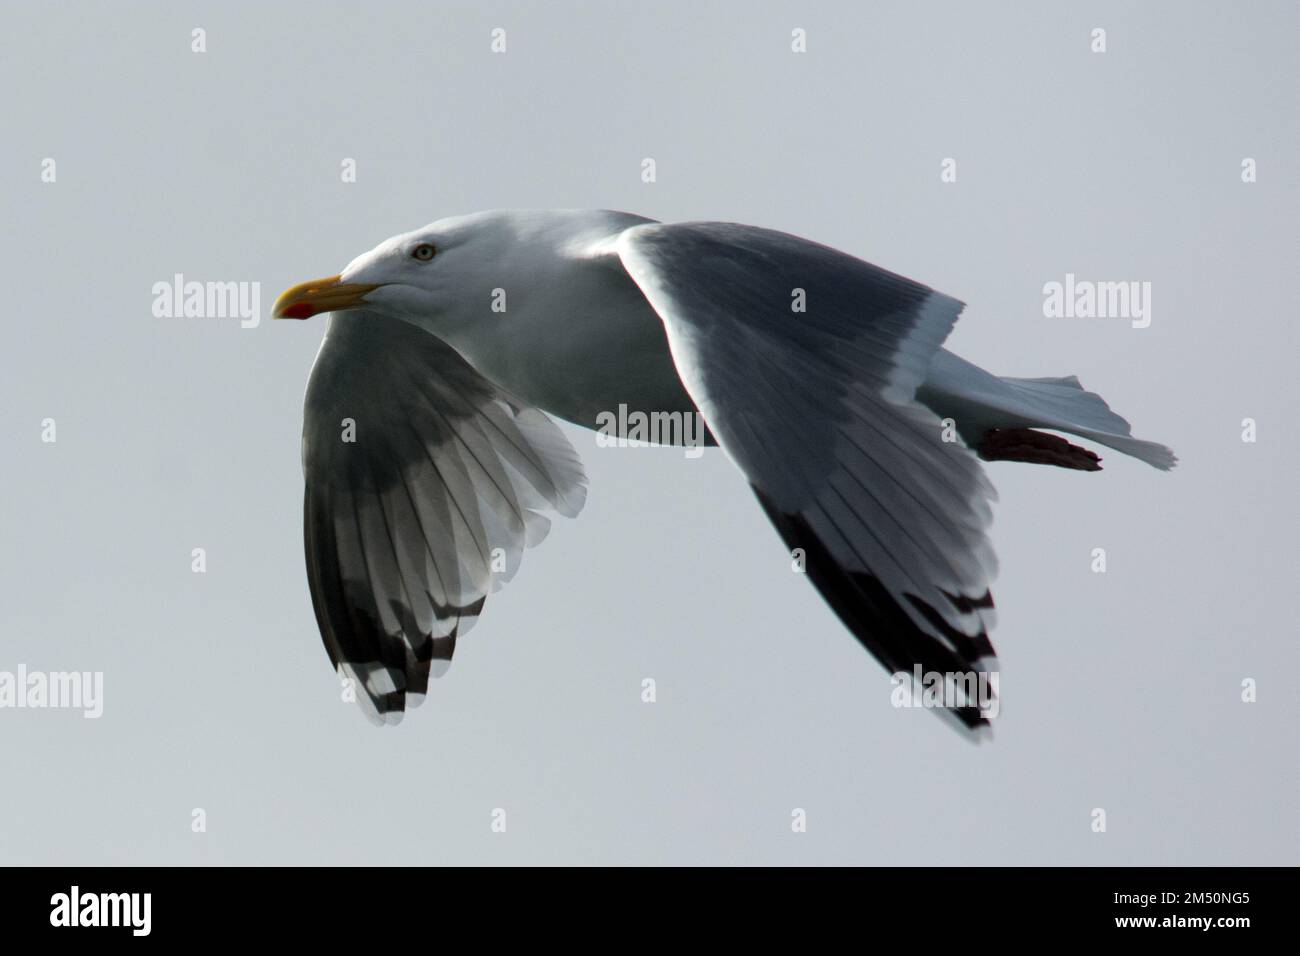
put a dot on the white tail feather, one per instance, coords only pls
(1066, 406)
(978, 401)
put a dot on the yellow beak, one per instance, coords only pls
(320, 295)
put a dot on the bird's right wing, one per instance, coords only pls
(424, 483)
(805, 363)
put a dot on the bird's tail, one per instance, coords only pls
(997, 416)
(1064, 405)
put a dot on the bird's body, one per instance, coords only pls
(822, 376)
(569, 333)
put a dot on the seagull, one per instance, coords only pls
(431, 459)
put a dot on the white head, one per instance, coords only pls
(442, 276)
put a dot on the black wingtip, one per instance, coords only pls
(884, 627)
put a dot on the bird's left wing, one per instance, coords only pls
(424, 482)
(805, 363)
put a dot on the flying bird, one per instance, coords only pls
(431, 462)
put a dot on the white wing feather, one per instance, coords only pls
(424, 483)
(818, 409)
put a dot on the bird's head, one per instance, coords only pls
(450, 275)
(416, 276)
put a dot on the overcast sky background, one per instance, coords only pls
(1120, 690)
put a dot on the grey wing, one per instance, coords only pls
(805, 362)
(424, 483)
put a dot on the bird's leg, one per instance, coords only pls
(1040, 448)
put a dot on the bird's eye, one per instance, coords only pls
(424, 252)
